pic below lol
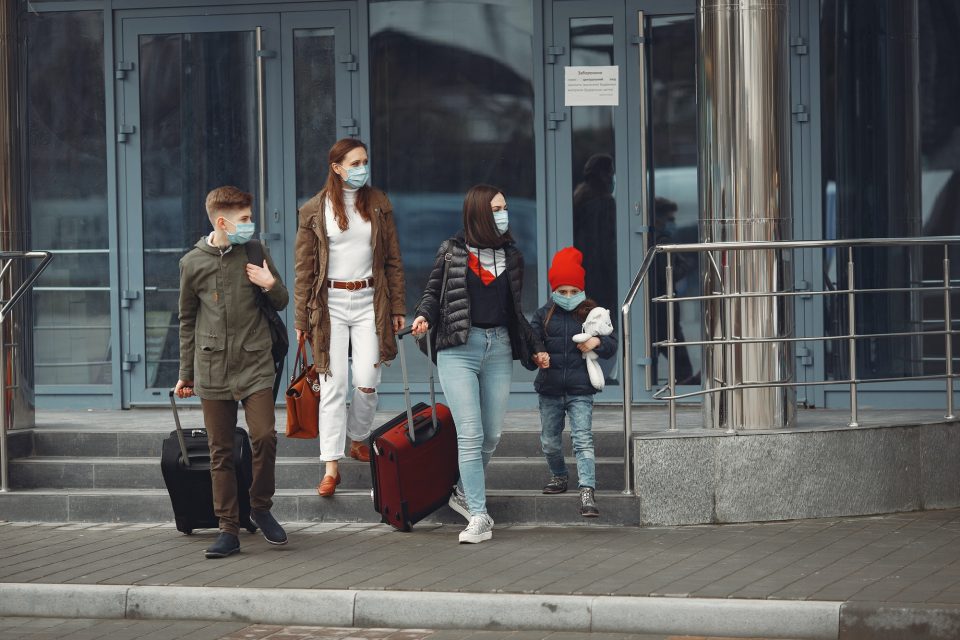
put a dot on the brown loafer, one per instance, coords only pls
(328, 485)
(359, 451)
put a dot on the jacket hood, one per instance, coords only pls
(206, 248)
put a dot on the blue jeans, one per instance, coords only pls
(476, 382)
(553, 413)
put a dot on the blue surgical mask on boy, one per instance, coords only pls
(243, 233)
(357, 176)
(568, 303)
(502, 220)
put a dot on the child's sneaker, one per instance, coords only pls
(588, 508)
(479, 529)
(557, 484)
(458, 502)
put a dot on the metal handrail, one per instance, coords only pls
(944, 285)
(8, 257)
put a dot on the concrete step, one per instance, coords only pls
(153, 505)
(146, 443)
(43, 472)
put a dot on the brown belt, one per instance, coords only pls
(354, 285)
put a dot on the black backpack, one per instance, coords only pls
(278, 330)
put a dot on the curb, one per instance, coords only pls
(433, 610)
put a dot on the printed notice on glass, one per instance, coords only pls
(591, 86)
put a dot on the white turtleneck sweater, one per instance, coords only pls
(351, 254)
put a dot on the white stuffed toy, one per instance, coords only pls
(598, 324)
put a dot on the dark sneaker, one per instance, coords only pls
(557, 484)
(226, 544)
(588, 508)
(271, 529)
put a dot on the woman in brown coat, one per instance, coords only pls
(348, 294)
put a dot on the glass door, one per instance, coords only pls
(623, 149)
(198, 98)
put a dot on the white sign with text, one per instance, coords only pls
(591, 86)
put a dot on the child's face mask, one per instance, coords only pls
(569, 301)
(244, 232)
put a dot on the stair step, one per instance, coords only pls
(55, 472)
(146, 443)
(153, 505)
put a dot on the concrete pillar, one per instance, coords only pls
(16, 366)
(744, 162)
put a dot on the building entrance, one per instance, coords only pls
(252, 100)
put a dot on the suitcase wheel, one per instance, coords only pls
(187, 532)
(252, 529)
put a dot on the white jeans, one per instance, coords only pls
(352, 322)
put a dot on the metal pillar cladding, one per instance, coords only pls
(16, 363)
(744, 165)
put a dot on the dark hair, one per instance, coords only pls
(479, 229)
(597, 179)
(226, 198)
(334, 186)
(580, 313)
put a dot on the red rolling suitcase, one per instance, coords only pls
(413, 458)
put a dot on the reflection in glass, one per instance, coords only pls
(198, 124)
(593, 149)
(315, 106)
(66, 196)
(452, 106)
(675, 210)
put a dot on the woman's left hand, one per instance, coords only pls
(589, 345)
(261, 276)
(398, 322)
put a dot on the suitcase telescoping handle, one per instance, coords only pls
(406, 382)
(176, 421)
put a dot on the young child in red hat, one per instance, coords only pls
(565, 387)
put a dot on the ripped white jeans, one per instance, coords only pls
(352, 322)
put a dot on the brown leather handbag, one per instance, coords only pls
(303, 397)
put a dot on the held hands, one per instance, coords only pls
(420, 326)
(261, 276)
(184, 389)
(542, 360)
(589, 345)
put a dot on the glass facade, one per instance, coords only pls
(890, 158)
(452, 107)
(66, 194)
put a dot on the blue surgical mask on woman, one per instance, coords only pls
(243, 233)
(357, 176)
(568, 303)
(502, 220)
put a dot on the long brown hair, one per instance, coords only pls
(580, 313)
(335, 184)
(479, 229)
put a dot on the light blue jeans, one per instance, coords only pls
(553, 413)
(476, 382)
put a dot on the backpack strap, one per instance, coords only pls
(254, 252)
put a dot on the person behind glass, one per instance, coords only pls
(225, 358)
(595, 228)
(349, 300)
(664, 232)
(480, 331)
(564, 388)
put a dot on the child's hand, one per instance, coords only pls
(589, 345)
(542, 360)
(261, 276)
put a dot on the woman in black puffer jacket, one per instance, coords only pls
(480, 331)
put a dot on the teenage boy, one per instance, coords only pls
(225, 357)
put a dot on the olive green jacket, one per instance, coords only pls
(311, 254)
(224, 338)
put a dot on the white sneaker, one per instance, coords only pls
(458, 502)
(479, 529)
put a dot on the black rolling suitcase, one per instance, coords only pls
(185, 465)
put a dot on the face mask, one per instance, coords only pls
(670, 229)
(502, 219)
(568, 303)
(243, 234)
(357, 176)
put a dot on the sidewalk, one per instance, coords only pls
(845, 578)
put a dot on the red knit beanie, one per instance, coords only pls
(567, 269)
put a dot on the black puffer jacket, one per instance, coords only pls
(452, 315)
(567, 374)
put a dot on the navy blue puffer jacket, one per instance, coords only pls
(567, 374)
